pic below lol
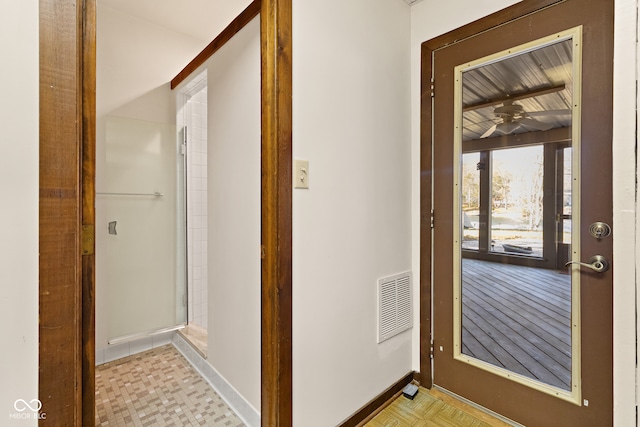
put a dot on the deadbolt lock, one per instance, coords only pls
(600, 230)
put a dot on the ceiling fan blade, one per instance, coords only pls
(507, 128)
(535, 124)
(491, 130)
(549, 113)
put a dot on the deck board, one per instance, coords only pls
(534, 308)
(518, 318)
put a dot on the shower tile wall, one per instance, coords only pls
(196, 119)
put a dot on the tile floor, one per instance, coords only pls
(160, 388)
(157, 388)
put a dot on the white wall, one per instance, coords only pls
(233, 183)
(625, 231)
(351, 121)
(19, 215)
(431, 18)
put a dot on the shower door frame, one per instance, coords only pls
(69, 375)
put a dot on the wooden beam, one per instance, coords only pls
(517, 140)
(513, 97)
(275, 36)
(236, 25)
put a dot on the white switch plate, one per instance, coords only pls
(301, 174)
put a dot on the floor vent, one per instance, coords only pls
(395, 313)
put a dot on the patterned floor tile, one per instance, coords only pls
(158, 388)
(426, 410)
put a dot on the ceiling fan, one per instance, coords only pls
(513, 117)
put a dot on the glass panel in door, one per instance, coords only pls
(140, 267)
(517, 176)
(514, 301)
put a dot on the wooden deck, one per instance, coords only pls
(518, 318)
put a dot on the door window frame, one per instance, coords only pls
(574, 395)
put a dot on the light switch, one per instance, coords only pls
(301, 174)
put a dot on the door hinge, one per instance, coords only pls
(432, 218)
(433, 87)
(262, 252)
(183, 146)
(431, 350)
(88, 239)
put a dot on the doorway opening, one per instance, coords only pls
(67, 408)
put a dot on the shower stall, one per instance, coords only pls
(152, 201)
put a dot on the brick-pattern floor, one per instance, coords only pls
(157, 388)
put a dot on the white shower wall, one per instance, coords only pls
(196, 151)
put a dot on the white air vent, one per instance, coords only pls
(395, 312)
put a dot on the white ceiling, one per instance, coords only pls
(200, 19)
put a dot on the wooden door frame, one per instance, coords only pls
(426, 179)
(277, 187)
(67, 215)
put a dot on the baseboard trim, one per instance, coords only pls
(243, 409)
(379, 402)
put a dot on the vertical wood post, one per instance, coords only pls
(60, 367)
(275, 21)
(88, 178)
(67, 165)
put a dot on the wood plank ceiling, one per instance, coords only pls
(539, 81)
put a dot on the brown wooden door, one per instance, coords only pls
(494, 247)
